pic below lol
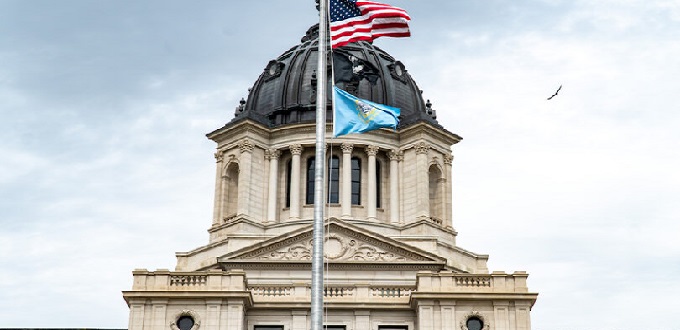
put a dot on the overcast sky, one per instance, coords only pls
(104, 166)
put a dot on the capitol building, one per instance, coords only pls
(392, 261)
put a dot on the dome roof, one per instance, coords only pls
(285, 92)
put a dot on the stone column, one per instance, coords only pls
(296, 150)
(372, 190)
(217, 206)
(394, 186)
(273, 156)
(422, 182)
(346, 199)
(244, 177)
(448, 211)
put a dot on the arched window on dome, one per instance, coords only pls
(435, 190)
(356, 181)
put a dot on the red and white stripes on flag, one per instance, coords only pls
(376, 20)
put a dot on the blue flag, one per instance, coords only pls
(354, 115)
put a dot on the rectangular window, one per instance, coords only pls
(334, 327)
(268, 327)
(333, 180)
(393, 327)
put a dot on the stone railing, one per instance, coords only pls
(449, 282)
(332, 293)
(163, 279)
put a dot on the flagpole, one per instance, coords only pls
(320, 165)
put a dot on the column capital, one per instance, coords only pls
(448, 159)
(272, 153)
(372, 150)
(396, 154)
(219, 156)
(296, 149)
(422, 147)
(347, 148)
(246, 146)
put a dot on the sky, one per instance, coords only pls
(105, 167)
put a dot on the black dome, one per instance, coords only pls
(285, 93)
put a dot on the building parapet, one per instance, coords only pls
(165, 280)
(496, 282)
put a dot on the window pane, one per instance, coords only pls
(310, 181)
(356, 181)
(333, 180)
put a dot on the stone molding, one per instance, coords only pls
(186, 312)
(463, 323)
(246, 146)
(421, 147)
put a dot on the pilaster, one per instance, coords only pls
(371, 151)
(347, 180)
(395, 156)
(422, 181)
(296, 151)
(273, 156)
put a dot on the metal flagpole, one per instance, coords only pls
(320, 165)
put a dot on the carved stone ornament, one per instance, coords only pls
(295, 149)
(347, 148)
(339, 246)
(219, 156)
(398, 71)
(273, 70)
(186, 312)
(396, 154)
(422, 148)
(448, 159)
(463, 323)
(246, 146)
(272, 153)
(372, 150)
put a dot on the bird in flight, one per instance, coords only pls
(558, 90)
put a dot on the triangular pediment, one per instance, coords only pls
(345, 244)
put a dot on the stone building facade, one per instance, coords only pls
(391, 252)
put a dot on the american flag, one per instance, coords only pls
(354, 20)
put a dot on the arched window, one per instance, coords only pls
(311, 165)
(435, 182)
(378, 181)
(288, 172)
(356, 181)
(230, 201)
(334, 180)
